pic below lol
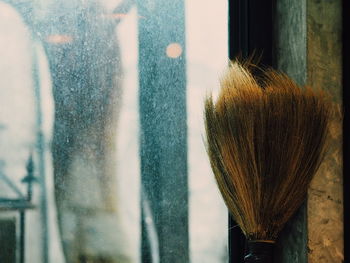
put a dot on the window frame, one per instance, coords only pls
(251, 31)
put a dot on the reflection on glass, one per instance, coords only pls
(70, 73)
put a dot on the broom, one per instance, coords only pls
(266, 138)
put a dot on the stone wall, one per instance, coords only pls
(325, 202)
(308, 48)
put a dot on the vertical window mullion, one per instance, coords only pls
(250, 32)
(163, 145)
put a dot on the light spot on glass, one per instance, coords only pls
(59, 39)
(174, 50)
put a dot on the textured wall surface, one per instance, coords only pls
(325, 202)
(290, 57)
(308, 49)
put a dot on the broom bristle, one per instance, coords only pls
(265, 143)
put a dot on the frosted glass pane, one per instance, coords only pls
(207, 52)
(70, 102)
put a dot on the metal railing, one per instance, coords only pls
(21, 203)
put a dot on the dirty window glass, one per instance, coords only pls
(101, 131)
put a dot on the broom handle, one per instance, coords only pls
(259, 252)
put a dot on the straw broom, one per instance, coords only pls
(266, 139)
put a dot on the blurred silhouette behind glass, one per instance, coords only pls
(86, 71)
(98, 208)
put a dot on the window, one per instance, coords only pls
(105, 99)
